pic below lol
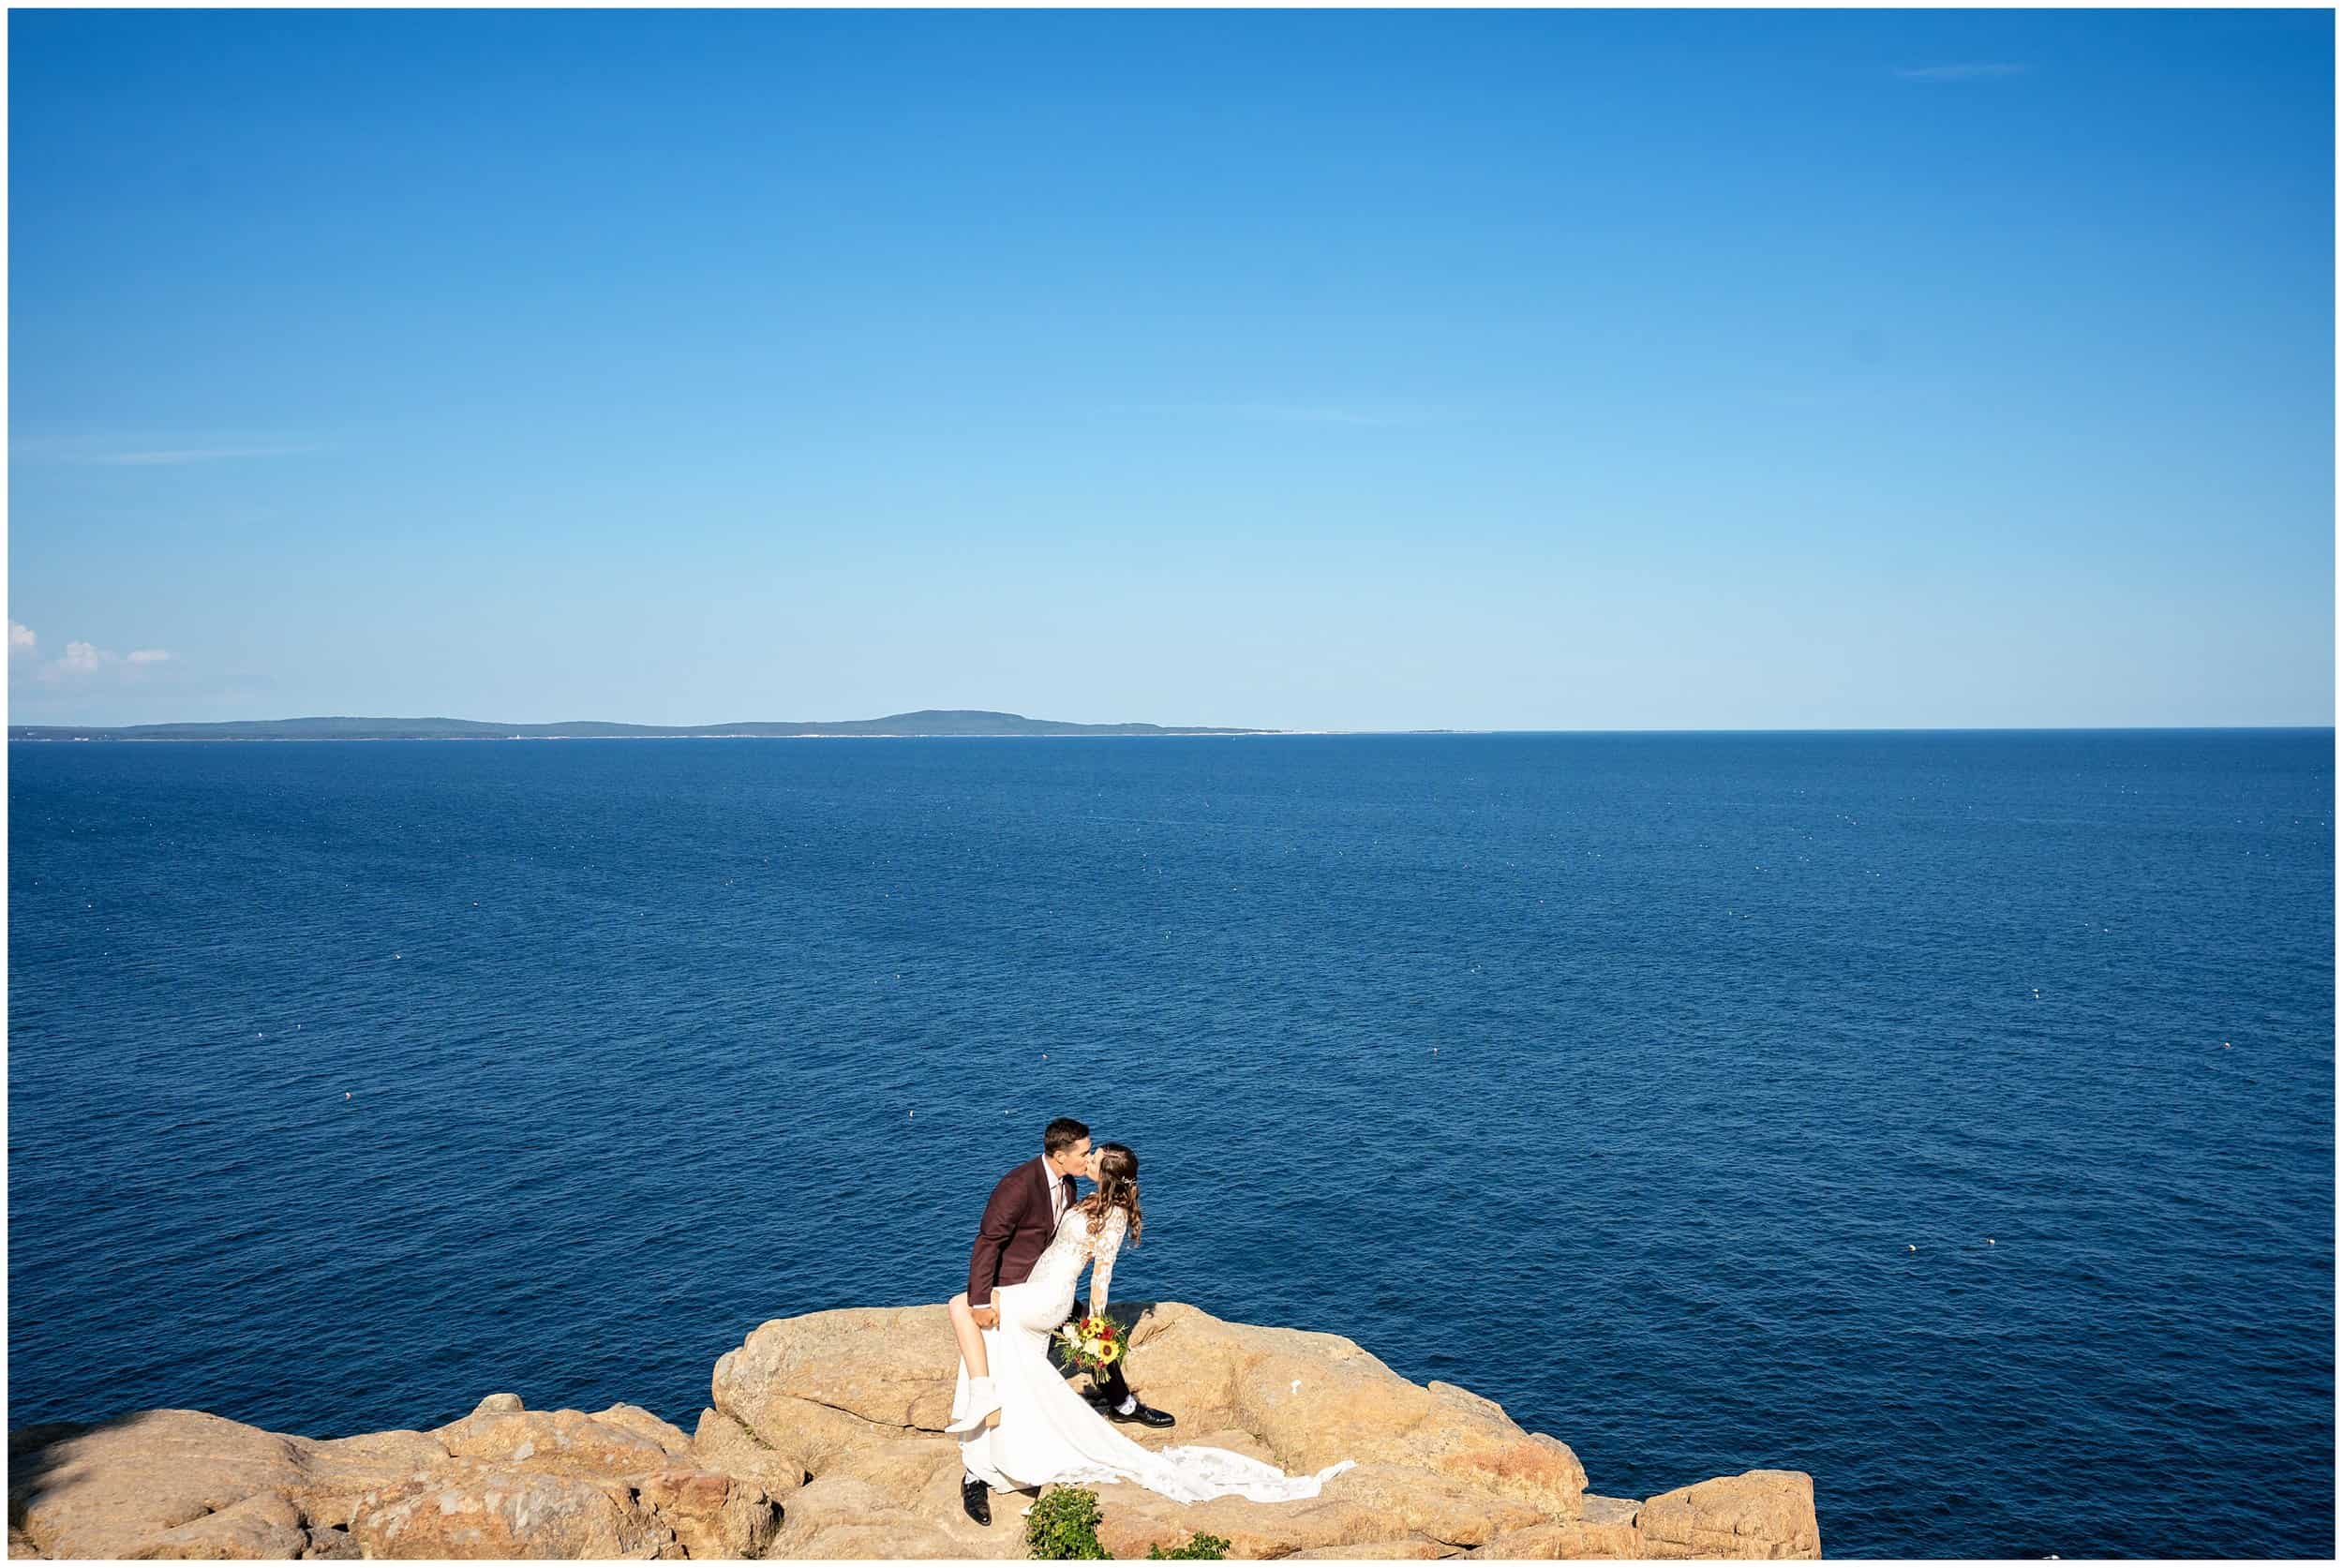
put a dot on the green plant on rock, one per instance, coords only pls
(1200, 1548)
(1064, 1526)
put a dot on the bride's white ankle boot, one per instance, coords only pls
(982, 1402)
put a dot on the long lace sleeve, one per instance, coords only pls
(1102, 1255)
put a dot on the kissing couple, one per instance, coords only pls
(1020, 1424)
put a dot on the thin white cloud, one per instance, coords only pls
(191, 455)
(150, 448)
(81, 662)
(81, 657)
(1978, 70)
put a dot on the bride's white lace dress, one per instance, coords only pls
(1048, 1432)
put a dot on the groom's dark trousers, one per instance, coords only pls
(1015, 1231)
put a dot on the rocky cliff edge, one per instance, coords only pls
(824, 1440)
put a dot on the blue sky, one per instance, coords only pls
(1317, 371)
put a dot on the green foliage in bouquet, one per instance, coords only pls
(1200, 1548)
(1064, 1526)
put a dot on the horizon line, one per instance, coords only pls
(727, 731)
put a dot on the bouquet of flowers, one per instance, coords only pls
(1092, 1343)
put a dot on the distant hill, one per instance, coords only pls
(927, 721)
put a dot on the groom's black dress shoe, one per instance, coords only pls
(1145, 1415)
(975, 1496)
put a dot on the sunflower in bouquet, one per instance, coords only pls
(1092, 1343)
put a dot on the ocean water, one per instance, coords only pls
(1949, 1115)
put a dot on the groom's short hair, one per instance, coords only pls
(1062, 1134)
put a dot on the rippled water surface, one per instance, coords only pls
(1949, 1115)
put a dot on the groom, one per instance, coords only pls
(1020, 1220)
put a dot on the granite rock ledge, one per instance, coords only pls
(824, 1438)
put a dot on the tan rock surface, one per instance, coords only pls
(710, 1514)
(1605, 1528)
(811, 1436)
(880, 1363)
(635, 1419)
(824, 1441)
(1134, 1519)
(260, 1529)
(1762, 1513)
(562, 1442)
(722, 1443)
(337, 1471)
(1758, 1514)
(1380, 1551)
(472, 1510)
(106, 1491)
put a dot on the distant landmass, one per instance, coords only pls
(927, 721)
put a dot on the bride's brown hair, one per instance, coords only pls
(1118, 1187)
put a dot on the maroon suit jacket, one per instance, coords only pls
(1016, 1230)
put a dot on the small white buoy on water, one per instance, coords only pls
(1909, 1247)
(1989, 1240)
(345, 1093)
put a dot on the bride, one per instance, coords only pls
(1020, 1423)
